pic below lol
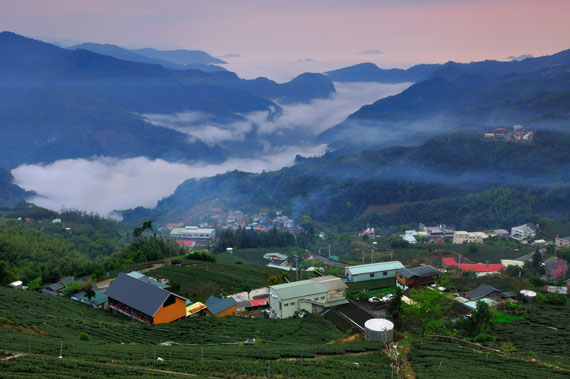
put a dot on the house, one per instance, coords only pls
(53, 289)
(523, 232)
(556, 289)
(562, 241)
(312, 295)
(485, 291)
(67, 280)
(480, 269)
(411, 233)
(417, 276)
(372, 271)
(186, 244)
(257, 304)
(436, 240)
(368, 232)
(461, 237)
(201, 236)
(99, 301)
(501, 233)
(510, 262)
(336, 288)
(143, 301)
(409, 238)
(221, 307)
(147, 279)
(275, 257)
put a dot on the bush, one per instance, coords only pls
(555, 299)
(84, 336)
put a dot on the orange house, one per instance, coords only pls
(142, 301)
(221, 307)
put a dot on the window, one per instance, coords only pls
(372, 275)
(322, 297)
(316, 299)
(286, 304)
(385, 273)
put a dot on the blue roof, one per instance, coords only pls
(374, 267)
(217, 305)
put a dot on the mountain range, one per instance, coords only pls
(484, 94)
(174, 59)
(58, 103)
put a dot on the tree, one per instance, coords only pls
(89, 291)
(396, 242)
(427, 309)
(394, 308)
(481, 318)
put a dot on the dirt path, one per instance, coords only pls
(156, 265)
(406, 365)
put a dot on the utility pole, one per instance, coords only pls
(329, 251)
(61, 350)
(29, 345)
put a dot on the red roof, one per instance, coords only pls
(519, 133)
(259, 302)
(477, 267)
(450, 262)
(185, 243)
(482, 267)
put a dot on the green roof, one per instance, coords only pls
(374, 267)
(99, 298)
(298, 289)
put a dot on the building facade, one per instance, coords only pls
(372, 271)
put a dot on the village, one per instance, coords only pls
(354, 299)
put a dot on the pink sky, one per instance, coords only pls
(406, 31)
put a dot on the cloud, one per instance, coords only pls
(370, 52)
(302, 121)
(230, 55)
(199, 125)
(106, 184)
(322, 114)
(520, 57)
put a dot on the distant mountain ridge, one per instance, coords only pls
(143, 56)
(180, 56)
(369, 72)
(480, 94)
(10, 194)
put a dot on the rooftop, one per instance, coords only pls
(482, 291)
(374, 267)
(217, 305)
(138, 294)
(331, 283)
(421, 271)
(298, 289)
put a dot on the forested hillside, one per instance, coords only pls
(455, 177)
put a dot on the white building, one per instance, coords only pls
(408, 237)
(372, 271)
(312, 295)
(523, 232)
(461, 237)
(201, 236)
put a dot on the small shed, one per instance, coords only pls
(221, 307)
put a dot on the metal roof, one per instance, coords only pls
(331, 283)
(298, 289)
(374, 267)
(147, 279)
(217, 305)
(421, 271)
(137, 294)
(482, 291)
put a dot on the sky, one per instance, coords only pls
(318, 34)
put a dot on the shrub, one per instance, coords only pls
(84, 336)
(555, 299)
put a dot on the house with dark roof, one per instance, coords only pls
(54, 289)
(485, 291)
(143, 301)
(221, 307)
(67, 280)
(417, 276)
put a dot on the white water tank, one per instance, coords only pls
(528, 295)
(378, 329)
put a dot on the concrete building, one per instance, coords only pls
(523, 232)
(312, 295)
(372, 271)
(408, 237)
(201, 236)
(562, 241)
(461, 237)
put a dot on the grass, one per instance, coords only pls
(198, 279)
(501, 317)
(42, 325)
(434, 359)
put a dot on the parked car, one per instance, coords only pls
(387, 298)
(374, 299)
